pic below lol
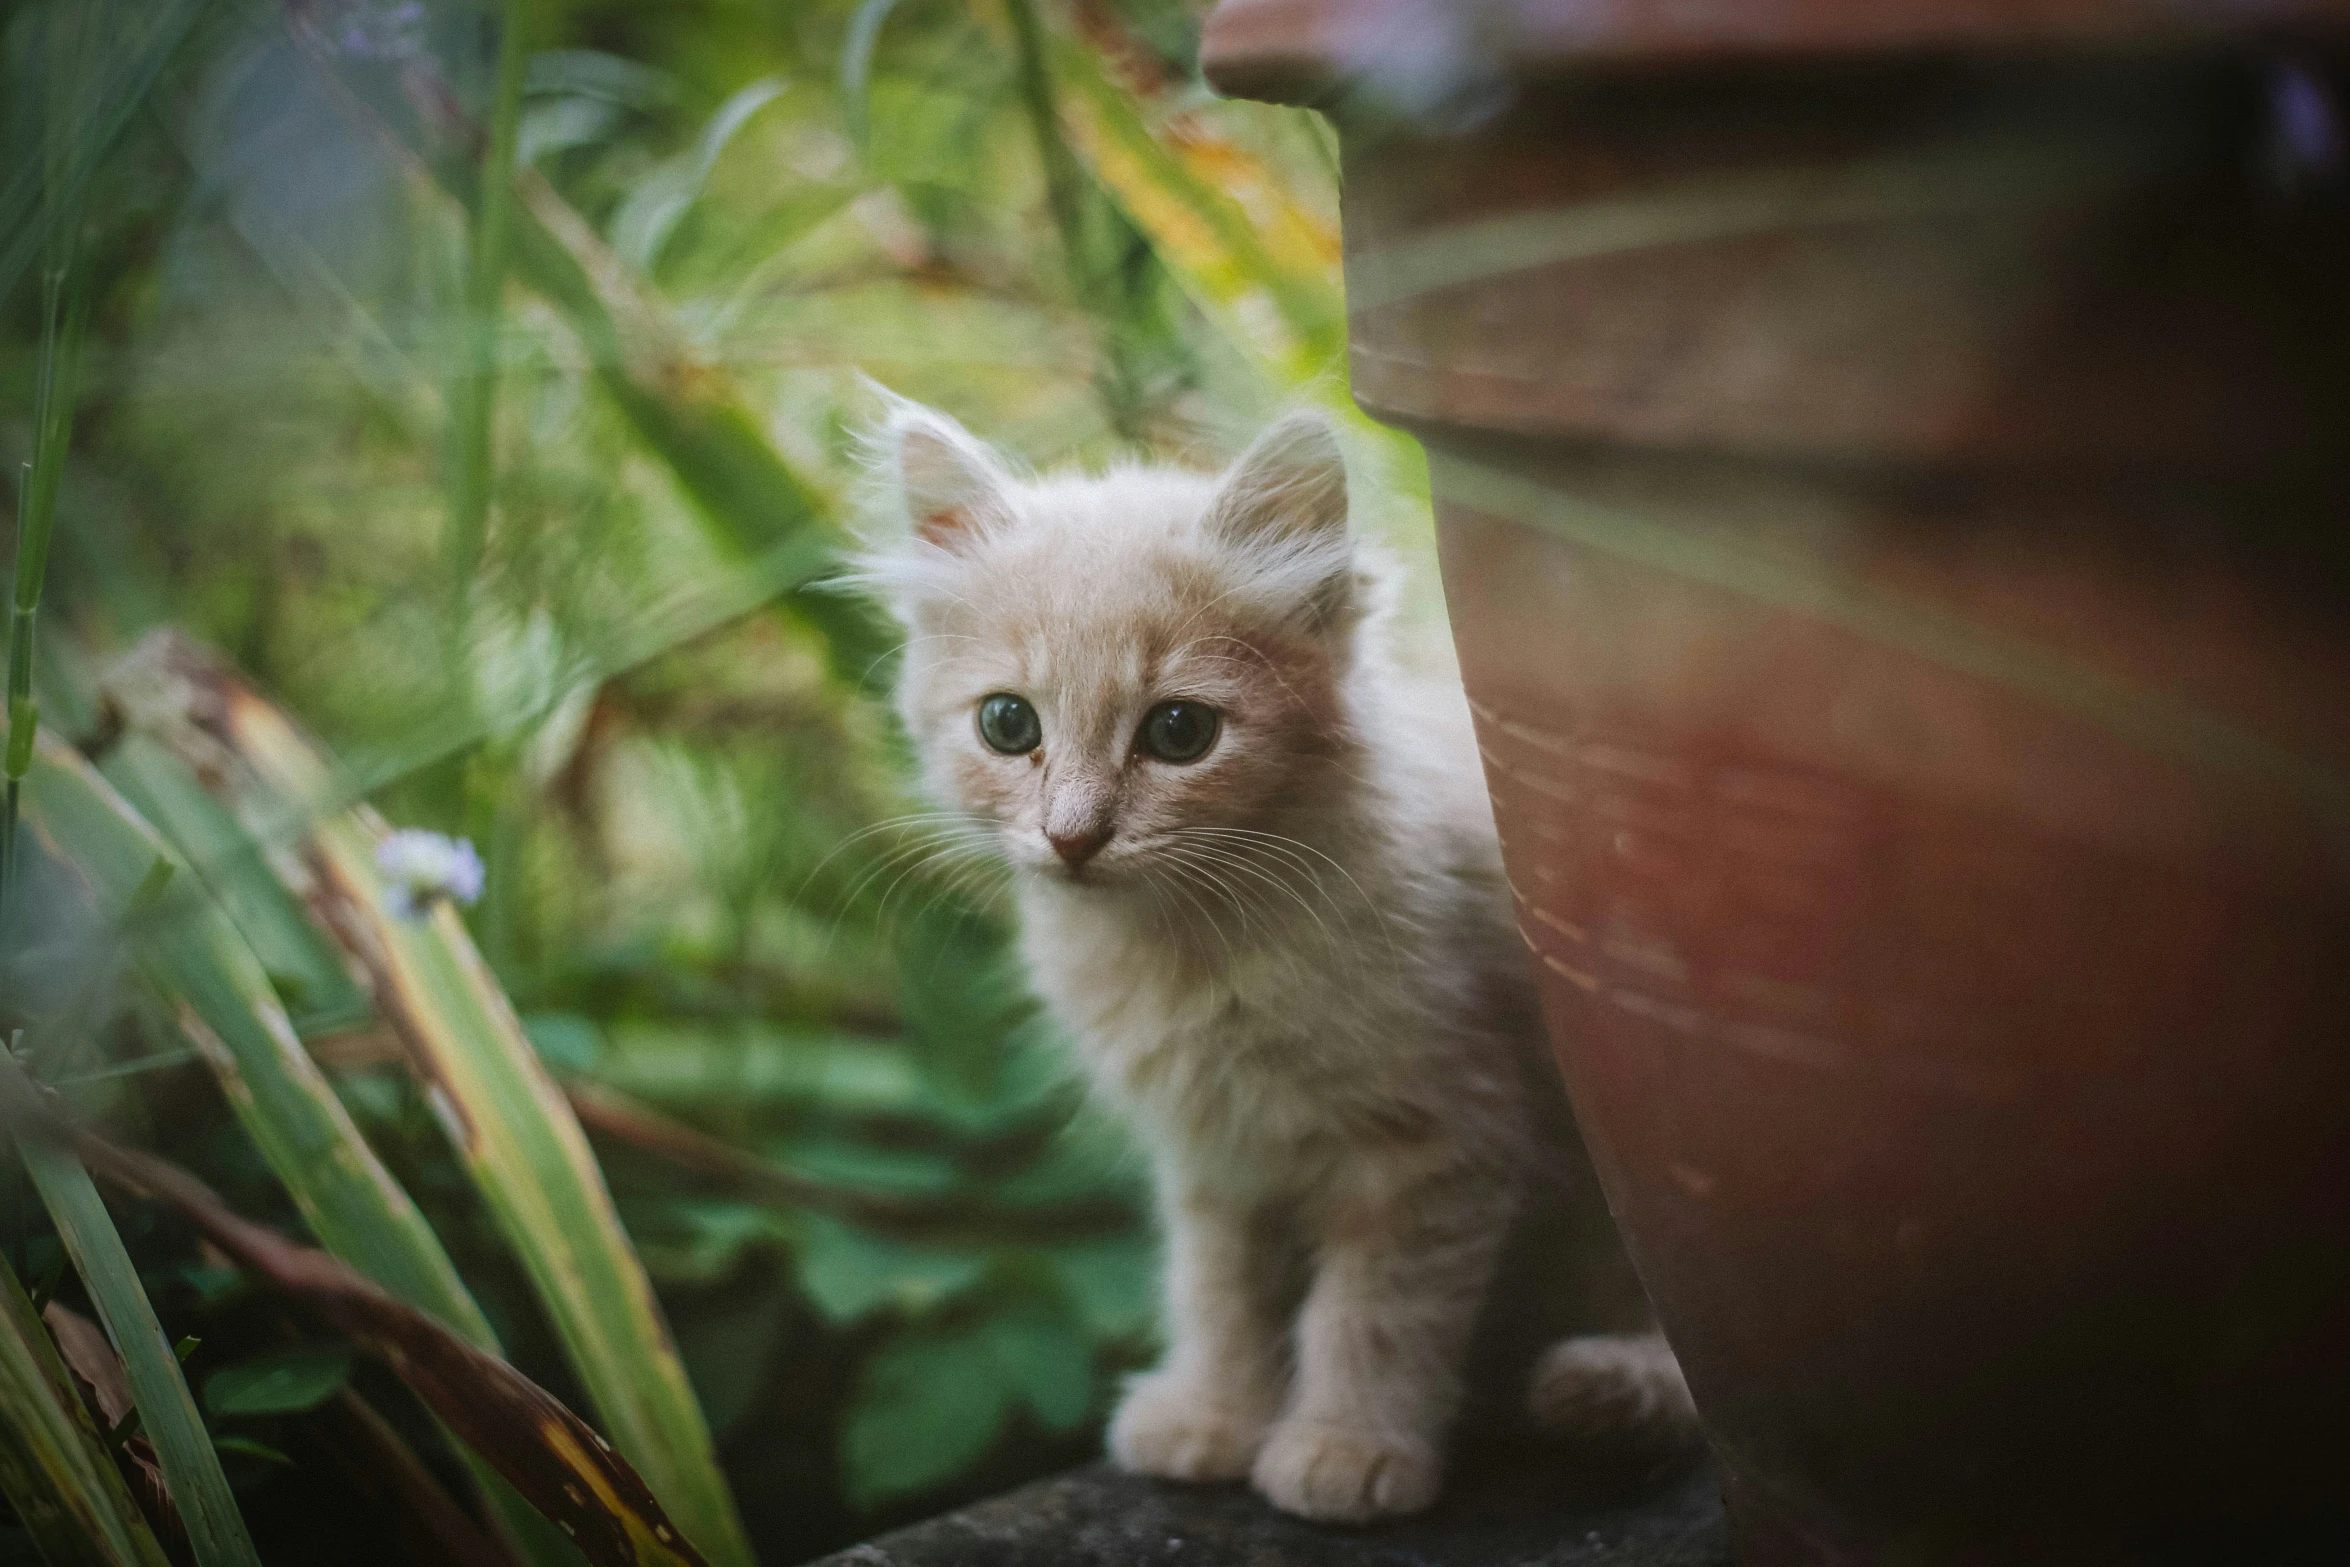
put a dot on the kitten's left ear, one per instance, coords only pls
(1290, 484)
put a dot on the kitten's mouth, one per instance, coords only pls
(1086, 873)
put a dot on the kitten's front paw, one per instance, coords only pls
(1178, 1430)
(1340, 1474)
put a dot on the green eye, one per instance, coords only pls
(1008, 724)
(1179, 731)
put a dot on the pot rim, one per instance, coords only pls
(1306, 51)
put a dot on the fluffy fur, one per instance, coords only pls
(1289, 962)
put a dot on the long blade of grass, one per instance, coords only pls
(695, 419)
(545, 1450)
(474, 406)
(229, 1011)
(510, 1124)
(1265, 272)
(301, 965)
(64, 313)
(380, 1463)
(54, 1468)
(227, 1007)
(167, 1411)
(856, 61)
(1098, 243)
(137, 46)
(687, 410)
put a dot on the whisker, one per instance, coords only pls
(1266, 877)
(1292, 847)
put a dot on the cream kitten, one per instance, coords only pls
(1258, 885)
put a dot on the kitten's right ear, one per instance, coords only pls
(1290, 483)
(950, 485)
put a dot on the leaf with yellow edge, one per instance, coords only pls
(54, 1469)
(1224, 224)
(544, 1450)
(226, 1007)
(510, 1125)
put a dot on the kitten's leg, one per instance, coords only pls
(1405, 1259)
(1203, 1413)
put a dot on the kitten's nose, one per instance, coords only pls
(1079, 844)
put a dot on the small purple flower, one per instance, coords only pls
(2306, 125)
(373, 31)
(422, 868)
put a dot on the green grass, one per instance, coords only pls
(493, 408)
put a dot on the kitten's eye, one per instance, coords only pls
(1179, 731)
(1008, 724)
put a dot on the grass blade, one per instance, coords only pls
(511, 1126)
(381, 1464)
(54, 1468)
(1264, 272)
(695, 419)
(856, 62)
(543, 1448)
(688, 411)
(64, 313)
(473, 407)
(296, 959)
(167, 1411)
(31, 217)
(227, 1007)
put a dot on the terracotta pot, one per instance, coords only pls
(1894, 488)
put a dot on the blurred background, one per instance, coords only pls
(518, 495)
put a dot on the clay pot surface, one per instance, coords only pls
(1895, 514)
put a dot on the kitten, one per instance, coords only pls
(1258, 885)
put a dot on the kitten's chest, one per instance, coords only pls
(1249, 1056)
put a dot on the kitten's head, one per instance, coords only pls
(1113, 670)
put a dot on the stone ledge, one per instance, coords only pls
(1497, 1514)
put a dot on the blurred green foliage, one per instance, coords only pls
(901, 1262)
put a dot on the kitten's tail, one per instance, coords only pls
(1615, 1388)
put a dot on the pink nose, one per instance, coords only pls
(1080, 845)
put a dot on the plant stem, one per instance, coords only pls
(63, 313)
(167, 1411)
(1095, 242)
(473, 407)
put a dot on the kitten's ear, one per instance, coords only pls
(948, 481)
(1291, 483)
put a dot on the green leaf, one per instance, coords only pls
(691, 415)
(167, 1411)
(929, 1404)
(1047, 1362)
(137, 42)
(702, 1241)
(53, 1465)
(1265, 272)
(227, 1005)
(246, 1447)
(565, 1040)
(303, 966)
(286, 1383)
(507, 1119)
(1112, 1284)
(849, 1273)
(856, 61)
(759, 1067)
(652, 209)
(932, 1400)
